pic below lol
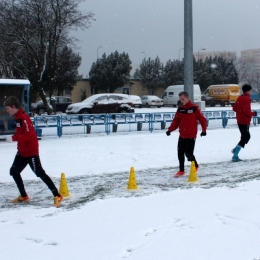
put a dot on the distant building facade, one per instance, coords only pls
(252, 57)
(133, 87)
(227, 55)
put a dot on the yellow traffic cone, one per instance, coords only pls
(193, 173)
(132, 185)
(64, 191)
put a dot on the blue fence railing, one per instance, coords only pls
(108, 120)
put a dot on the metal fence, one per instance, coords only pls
(110, 122)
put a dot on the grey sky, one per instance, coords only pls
(156, 27)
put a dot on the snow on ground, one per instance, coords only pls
(166, 218)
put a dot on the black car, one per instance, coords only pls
(61, 104)
(209, 101)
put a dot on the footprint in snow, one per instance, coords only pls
(51, 244)
(39, 241)
(19, 221)
(144, 242)
(126, 252)
(36, 240)
(149, 232)
(224, 219)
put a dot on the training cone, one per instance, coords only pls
(64, 191)
(193, 173)
(132, 185)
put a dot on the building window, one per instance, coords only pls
(67, 91)
(126, 91)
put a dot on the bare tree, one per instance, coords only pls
(257, 84)
(33, 31)
(245, 70)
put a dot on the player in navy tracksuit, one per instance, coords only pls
(186, 119)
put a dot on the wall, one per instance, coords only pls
(76, 92)
(136, 88)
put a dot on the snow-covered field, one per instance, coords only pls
(166, 218)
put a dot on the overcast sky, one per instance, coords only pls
(156, 27)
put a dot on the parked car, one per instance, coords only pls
(209, 101)
(152, 101)
(61, 104)
(103, 104)
(136, 101)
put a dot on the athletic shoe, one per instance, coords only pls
(21, 199)
(58, 200)
(236, 159)
(178, 174)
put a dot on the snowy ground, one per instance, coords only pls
(166, 218)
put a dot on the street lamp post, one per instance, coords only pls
(188, 48)
(180, 53)
(97, 50)
(144, 54)
(199, 52)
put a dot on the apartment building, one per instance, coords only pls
(252, 55)
(228, 55)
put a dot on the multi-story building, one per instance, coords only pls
(252, 55)
(228, 55)
(252, 58)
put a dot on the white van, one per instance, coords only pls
(171, 95)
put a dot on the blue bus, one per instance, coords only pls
(19, 88)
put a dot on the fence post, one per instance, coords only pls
(88, 127)
(139, 126)
(224, 119)
(114, 128)
(38, 132)
(107, 123)
(151, 120)
(35, 123)
(163, 124)
(59, 126)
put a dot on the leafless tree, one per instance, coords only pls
(248, 71)
(33, 32)
(257, 83)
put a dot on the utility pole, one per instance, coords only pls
(188, 48)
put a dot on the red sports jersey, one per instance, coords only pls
(186, 118)
(25, 135)
(242, 107)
